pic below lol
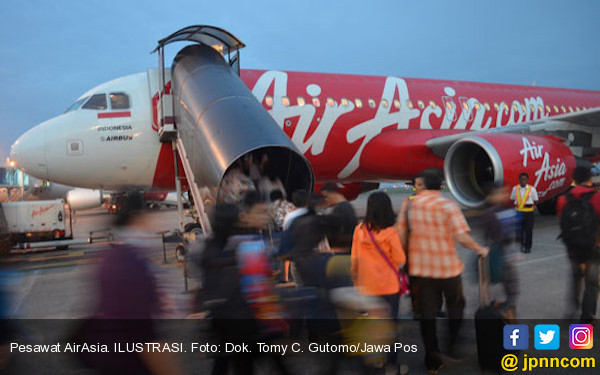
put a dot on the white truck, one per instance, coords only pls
(34, 221)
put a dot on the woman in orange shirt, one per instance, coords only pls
(373, 239)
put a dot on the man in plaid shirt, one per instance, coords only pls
(430, 231)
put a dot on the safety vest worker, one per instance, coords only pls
(525, 198)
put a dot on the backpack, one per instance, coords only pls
(303, 236)
(579, 225)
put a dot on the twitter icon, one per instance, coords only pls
(547, 336)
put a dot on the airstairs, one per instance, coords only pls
(212, 119)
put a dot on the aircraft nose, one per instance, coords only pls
(29, 153)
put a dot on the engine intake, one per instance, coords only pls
(475, 161)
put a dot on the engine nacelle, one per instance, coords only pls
(475, 161)
(81, 199)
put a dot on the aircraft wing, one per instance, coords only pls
(580, 131)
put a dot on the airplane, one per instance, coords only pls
(350, 129)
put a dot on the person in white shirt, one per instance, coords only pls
(300, 199)
(525, 198)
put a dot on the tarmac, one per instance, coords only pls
(59, 285)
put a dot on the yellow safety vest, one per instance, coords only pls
(522, 199)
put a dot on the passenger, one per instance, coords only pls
(250, 168)
(311, 271)
(525, 198)
(429, 225)
(341, 221)
(279, 208)
(269, 183)
(300, 200)
(234, 185)
(418, 185)
(128, 299)
(238, 282)
(8, 327)
(500, 222)
(377, 255)
(584, 256)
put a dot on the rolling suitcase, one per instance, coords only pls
(489, 323)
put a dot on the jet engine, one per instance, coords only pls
(475, 161)
(81, 199)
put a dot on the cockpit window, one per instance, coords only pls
(119, 100)
(77, 104)
(97, 101)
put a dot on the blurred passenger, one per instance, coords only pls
(279, 208)
(377, 255)
(250, 168)
(525, 198)
(128, 299)
(500, 222)
(239, 287)
(270, 182)
(579, 211)
(341, 221)
(234, 185)
(429, 226)
(7, 326)
(300, 200)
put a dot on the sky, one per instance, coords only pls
(54, 51)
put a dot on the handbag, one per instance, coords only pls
(402, 278)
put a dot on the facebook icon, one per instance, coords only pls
(516, 337)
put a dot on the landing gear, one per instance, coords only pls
(195, 228)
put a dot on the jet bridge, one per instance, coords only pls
(217, 120)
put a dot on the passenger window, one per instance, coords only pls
(477, 106)
(556, 109)
(97, 102)
(432, 104)
(371, 103)
(301, 101)
(421, 104)
(269, 100)
(397, 103)
(496, 107)
(344, 102)
(330, 102)
(119, 100)
(487, 106)
(570, 109)
(285, 101)
(409, 104)
(562, 107)
(577, 109)
(384, 103)
(358, 102)
(316, 102)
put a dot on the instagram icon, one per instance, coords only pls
(581, 336)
